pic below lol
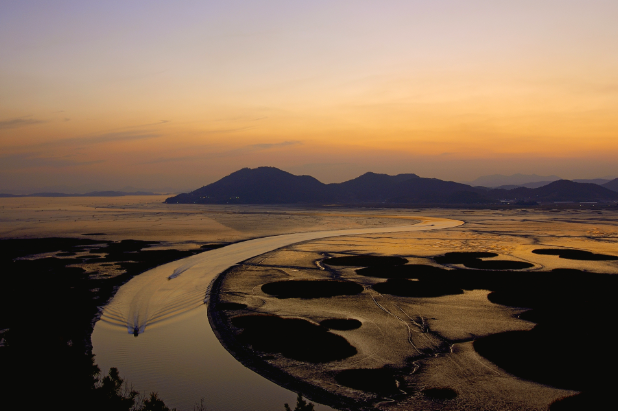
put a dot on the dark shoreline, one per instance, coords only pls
(554, 300)
(50, 304)
(248, 358)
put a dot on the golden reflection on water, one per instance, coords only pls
(183, 369)
(511, 233)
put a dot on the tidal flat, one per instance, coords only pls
(456, 339)
(510, 311)
(64, 261)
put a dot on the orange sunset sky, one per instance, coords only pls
(158, 94)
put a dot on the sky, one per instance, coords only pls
(175, 95)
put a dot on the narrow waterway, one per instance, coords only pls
(156, 329)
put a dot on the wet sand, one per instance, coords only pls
(154, 301)
(177, 230)
(511, 234)
(425, 345)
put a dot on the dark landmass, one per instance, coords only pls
(91, 194)
(571, 254)
(496, 180)
(535, 184)
(51, 291)
(612, 185)
(462, 257)
(263, 185)
(497, 264)
(379, 380)
(599, 181)
(311, 288)
(440, 393)
(557, 351)
(221, 325)
(294, 338)
(365, 261)
(401, 271)
(589, 400)
(569, 347)
(341, 324)
(269, 185)
(573, 310)
(370, 186)
(407, 288)
(561, 190)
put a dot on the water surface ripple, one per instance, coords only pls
(156, 328)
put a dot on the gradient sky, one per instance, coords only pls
(154, 94)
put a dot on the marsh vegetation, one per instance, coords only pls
(431, 323)
(50, 294)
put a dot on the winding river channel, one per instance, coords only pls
(156, 329)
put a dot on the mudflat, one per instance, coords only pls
(482, 316)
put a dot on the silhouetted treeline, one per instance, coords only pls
(50, 293)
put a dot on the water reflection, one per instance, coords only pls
(182, 358)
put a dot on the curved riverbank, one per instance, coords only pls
(421, 340)
(247, 357)
(173, 312)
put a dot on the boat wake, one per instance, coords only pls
(152, 297)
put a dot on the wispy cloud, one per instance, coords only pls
(267, 146)
(22, 161)
(118, 136)
(19, 122)
(79, 142)
(158, 123)
(229, 153)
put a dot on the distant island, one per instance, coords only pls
(270, 185)
(91, 194)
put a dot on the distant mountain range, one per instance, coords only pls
(91, 194)
(612, 185)
(537, 184)
(526, 180)
(269, 185)
(497, 180)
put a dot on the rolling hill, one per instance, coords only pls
(269, 185)
(612, 185)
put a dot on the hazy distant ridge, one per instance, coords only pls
(612, 185)
(269, 185)
(497, 180)
(91, 194)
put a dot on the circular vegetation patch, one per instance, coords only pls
(365, 261)
(571, 254)
(311, 288)
(378, 380)
(461, 257)
(294, 338)
(401, 271)
(497, 264)
(407, 288)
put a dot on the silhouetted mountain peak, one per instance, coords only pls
(261, 185)
(497, 180)
(562, 190)
(612, 185)
(375, 178)
(560, 184)
(269, 185)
